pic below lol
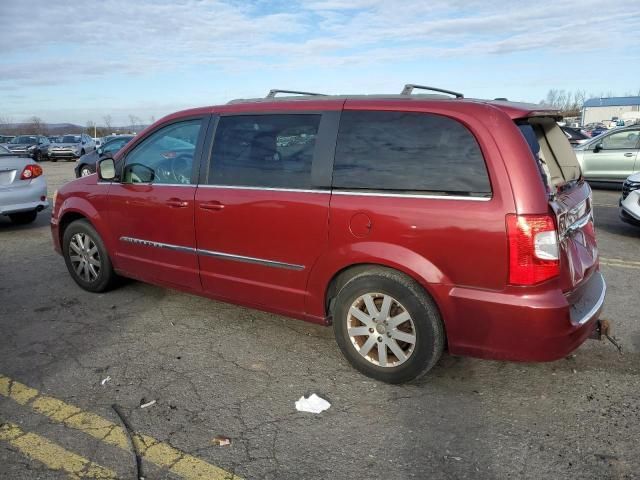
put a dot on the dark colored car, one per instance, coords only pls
(599, 130)
(412, 223)
(575, 136)
(36, 146)
(86, 164)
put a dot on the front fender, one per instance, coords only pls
(73, 207)
(379, 253)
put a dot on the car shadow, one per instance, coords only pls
(42, 220)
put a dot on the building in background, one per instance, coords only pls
(619, 108)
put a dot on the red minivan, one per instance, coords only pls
(411, 222)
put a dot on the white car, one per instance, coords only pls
(23, 188)
(630, 201)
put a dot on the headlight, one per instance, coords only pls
(31, 148)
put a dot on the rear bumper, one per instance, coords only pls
(533, 327)
(24, 198)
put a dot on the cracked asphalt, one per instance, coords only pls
(218, 369)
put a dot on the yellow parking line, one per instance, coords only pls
(155, 451)
(617, 262)
(52, 455)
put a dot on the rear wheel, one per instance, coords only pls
(86, 257)
(22, 218)
(387, 326)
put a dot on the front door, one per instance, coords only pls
(261, 221)
(614, 157)
(151, 209)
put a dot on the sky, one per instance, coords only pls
(71, 61)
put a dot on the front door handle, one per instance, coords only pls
(214, 205)
(628, 154)
(177, 203)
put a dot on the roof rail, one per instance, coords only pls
(409, 87)
(273, 92)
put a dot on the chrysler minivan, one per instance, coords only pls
(412, 223)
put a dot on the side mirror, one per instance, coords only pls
(598, 147)
(107, 169)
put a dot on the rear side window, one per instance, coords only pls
(408, 151)
(273, 151)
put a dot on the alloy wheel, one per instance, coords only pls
(381, 330)
(85, 257)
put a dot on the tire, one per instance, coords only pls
(38, 156)
(85, 171)
(23, 218)
(385, 336)
(91, 279)
(53, 159)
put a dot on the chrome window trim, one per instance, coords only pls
(212, 253)
(411, 195)
(268, 189)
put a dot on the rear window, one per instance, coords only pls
(407, 151)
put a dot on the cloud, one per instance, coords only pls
(124, 37)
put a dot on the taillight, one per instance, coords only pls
(31, 171)
(533, 249)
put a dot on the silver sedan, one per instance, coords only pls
(23, 188)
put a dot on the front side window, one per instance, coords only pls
(273, 151)
(406, 151)
(621, 140)
(165, 157)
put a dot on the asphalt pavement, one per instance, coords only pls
(68, 356)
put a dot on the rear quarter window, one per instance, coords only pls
(407, 151)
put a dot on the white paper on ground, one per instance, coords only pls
(313, 404)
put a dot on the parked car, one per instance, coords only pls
(86, 164)
(610, 157)
(34, 145)
(410, 222)
(6, 138)
(23, 188)
(599, 130)
(575, 135)
(630, 200)
(71, 147)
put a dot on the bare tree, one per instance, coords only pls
(35, 125)
(152, 120)
(133, 122)
(107, 122)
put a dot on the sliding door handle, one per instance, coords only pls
(176, 203)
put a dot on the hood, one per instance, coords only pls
(17, 146)
(635, 177)
(64, 145)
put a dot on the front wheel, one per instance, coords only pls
(23, 218)
(387, 326)
(86, 257)
(85, 171)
